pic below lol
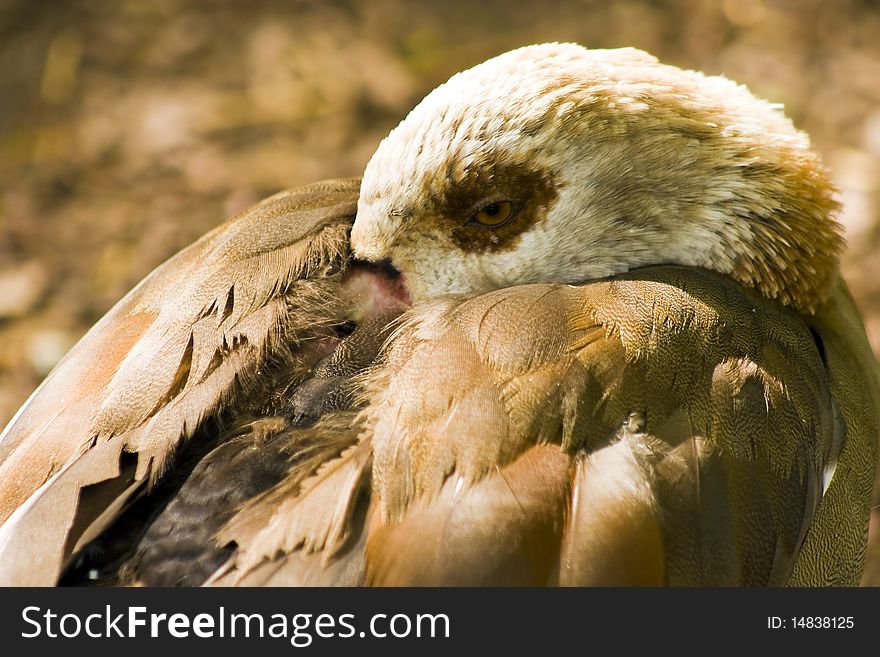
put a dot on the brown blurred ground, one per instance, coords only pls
(127, 129)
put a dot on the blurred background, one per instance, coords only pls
(129, 128)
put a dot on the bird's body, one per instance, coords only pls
(630, 359)
(704, 474)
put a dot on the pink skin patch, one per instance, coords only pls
(371, 291)
(375, 289)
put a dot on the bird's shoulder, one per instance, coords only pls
(653, 340)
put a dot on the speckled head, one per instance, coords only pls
(554, 163)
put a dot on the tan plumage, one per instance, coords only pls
(513, 465)
(647, 371)
(174, 352)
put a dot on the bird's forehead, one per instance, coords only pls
(492, 110)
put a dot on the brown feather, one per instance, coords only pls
(666, 426)
(170, 355)
(728, 462)
(662, 426)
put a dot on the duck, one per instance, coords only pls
(580, 323)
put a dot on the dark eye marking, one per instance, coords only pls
(491, 209)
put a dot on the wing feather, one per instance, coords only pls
(663, 426)
(171, 354)
(714, 483)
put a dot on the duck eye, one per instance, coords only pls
(494, 214)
